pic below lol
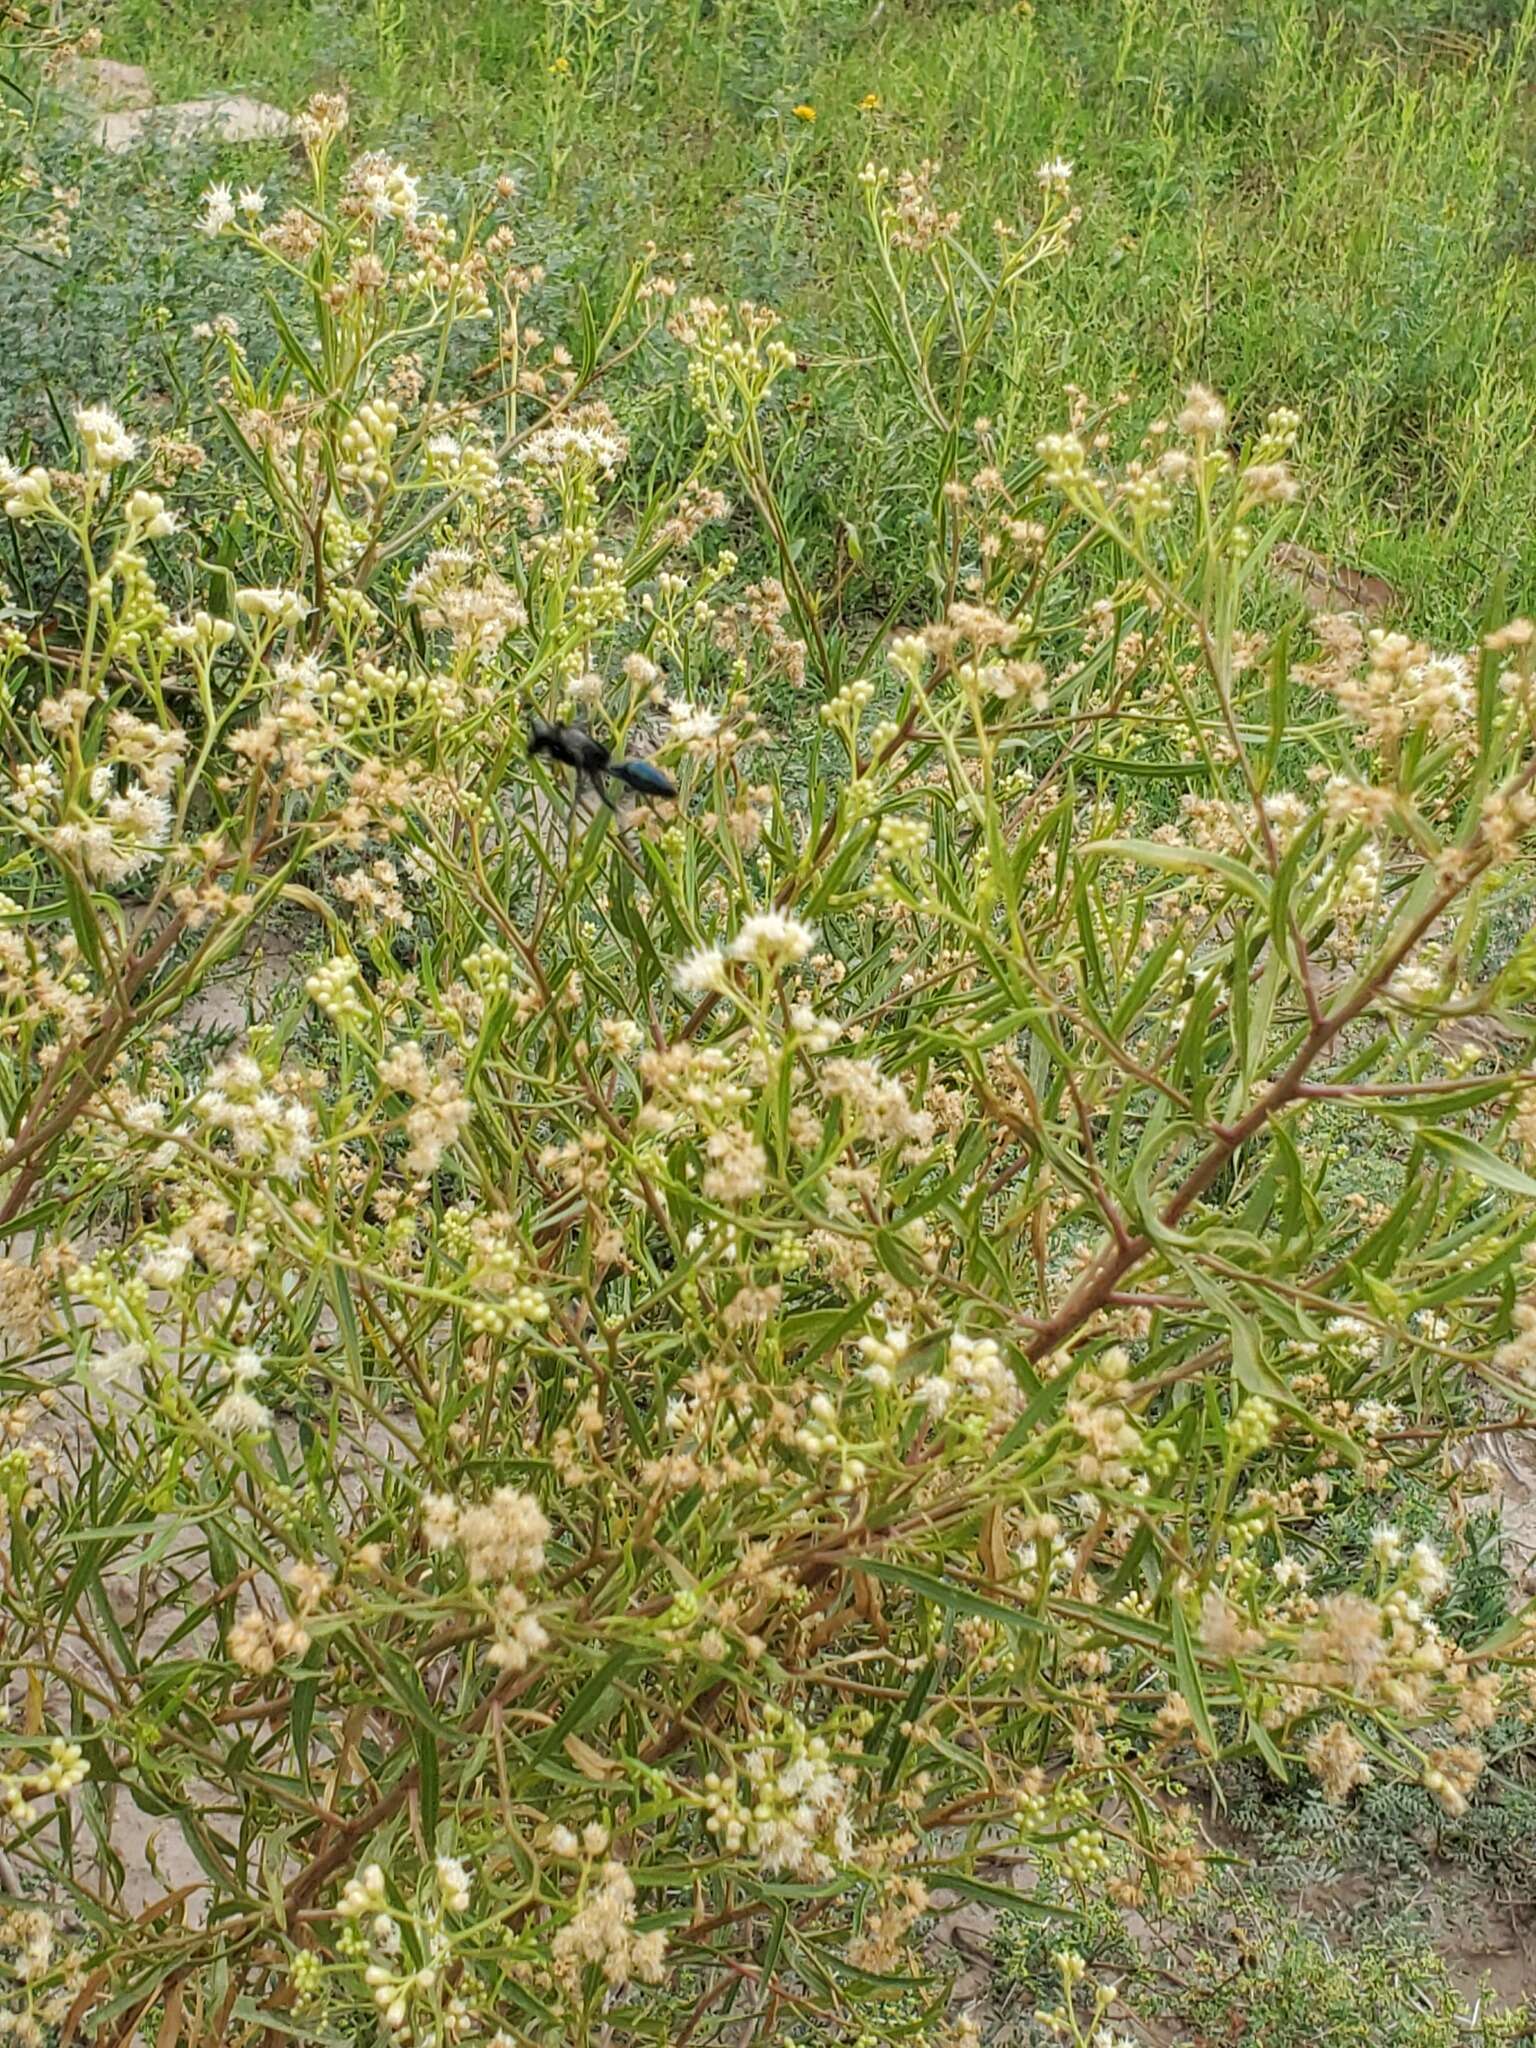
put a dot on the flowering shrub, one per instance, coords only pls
(705, 1380)
(34, 216)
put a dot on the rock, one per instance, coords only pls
(1325, 586)
(1513, 1453)
(108, 84)
(235, 118)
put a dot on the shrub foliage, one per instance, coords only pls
(701, 1381)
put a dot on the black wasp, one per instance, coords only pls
(593, 762)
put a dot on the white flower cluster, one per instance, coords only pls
(1517, 1355)
(874, 1102)
(975, 1376)
(791, 1812)
(503, 1541)
(258, 1643)
(1406, 688)
(240, 1411)
(104, 441)
(365, 1898)
(1098, 1409)
(34, 790)
(453, 1883)
(386, 189)
(122, 838)
(771, 940)
(264, 1125)
(820, 1437)
(502, 1538)
(883, 1352)
(601, 1931)
(64, 1769)
(332, 988)
(27, 493)
(463, 465)
(366, 441)
(701, 972)
(273, 606)
(219, 210)
(586, 440)
(440, 1111)
(691, 725)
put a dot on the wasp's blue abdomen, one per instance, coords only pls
(643, 778)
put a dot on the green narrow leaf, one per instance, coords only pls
(1477, 1160)
(1190, 1683)
(1187, 860)
(904, 1717)
(1002, 1895)
(428, 1778)
(301, 1720)
(584, 1703)
(951, 1599)
(1264, 1743)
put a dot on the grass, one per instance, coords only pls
(1382, 1986)
(1329, 205)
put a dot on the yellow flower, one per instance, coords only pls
(804, 113)
(868, 104)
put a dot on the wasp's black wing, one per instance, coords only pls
(569, 744)
(544, 738)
